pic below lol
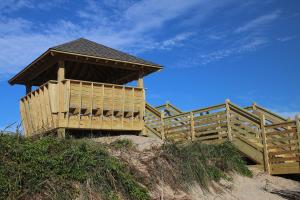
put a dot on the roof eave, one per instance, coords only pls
(158, 67)
(12, 81)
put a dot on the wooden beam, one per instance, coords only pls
(140, 82)
(264, 141)
(228, 118)
(60, 78)
(28, 88)
(298, 129)
(61, 71)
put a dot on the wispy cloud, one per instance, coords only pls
(258, 22)
(287, 38)
(127, 24)
(133, 26)
(202, 59)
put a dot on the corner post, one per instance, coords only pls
(162, 116)
(297, 119)
(28, 88)
(140, 81)
(229, 131)
(192, 126)
(140, 84)
(60, 77)
(264, 141)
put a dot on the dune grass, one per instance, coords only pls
(49, 168)
(200, 163)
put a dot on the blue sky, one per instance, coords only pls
(211, 50)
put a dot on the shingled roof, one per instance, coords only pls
(90, 48)
(84, 51)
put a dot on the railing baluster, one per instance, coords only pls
(264, 140)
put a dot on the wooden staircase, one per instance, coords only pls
(261, 135)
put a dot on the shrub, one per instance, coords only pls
(200, 163)
(49, 168)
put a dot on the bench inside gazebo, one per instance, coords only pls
(81, 86)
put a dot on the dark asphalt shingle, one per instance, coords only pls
(90, 48)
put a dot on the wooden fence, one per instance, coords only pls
(263, 136)
(83, 105)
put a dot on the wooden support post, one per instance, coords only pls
(28, 88)
(167, 106)
(60, 78)
(298, 129)
(192, 126)
(61, 133)
(254, 106)
(264, 141)
(140, 82)
(229, 131)
(162, 116)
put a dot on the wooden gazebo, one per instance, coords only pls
(81, 86)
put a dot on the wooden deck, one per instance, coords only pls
(263, 136)
(82, 105)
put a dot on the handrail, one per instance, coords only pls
(218, 106)
(293, 122)
(265, 110)
(41, 86)
(169, 105)
(250, 116)
(100, 83)
(153, 110)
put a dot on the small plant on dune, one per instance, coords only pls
(49, 168)
(122, 144)
(199, 163)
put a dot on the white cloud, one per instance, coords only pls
(246, 46)
(128, 25)
(133, 26)
(287, 38)
(258, 22)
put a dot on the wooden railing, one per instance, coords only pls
(274, 145)
(39, 109)
(169, 109)
(77, 104)
(153, 121)
(283, 146)
(270, 116)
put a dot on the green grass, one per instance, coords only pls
(199, 163)
(48, 168)
(122, 144)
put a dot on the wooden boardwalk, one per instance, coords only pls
(261, 135)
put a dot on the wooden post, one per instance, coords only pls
(61, 133)
(60, 78)
(254, 106)
(229, 131)
(28, 88)
(167, 107)
(162, 116)
(298, 129)
(192, 126)
(264, 141)
(140, 82)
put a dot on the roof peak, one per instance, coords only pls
(87, 47)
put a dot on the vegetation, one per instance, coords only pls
(122, 144)
(199, 163)
(49, 168)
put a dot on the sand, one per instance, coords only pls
(257, 188)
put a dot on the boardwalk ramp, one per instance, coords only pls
(261, 135)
